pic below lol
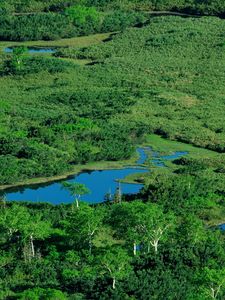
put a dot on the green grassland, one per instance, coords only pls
(164, 78)
(159, 85)
(163, 145)
(167, 147)
(83, 41)
(176, 67)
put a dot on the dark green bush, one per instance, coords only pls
(32, 65)
(119, 20)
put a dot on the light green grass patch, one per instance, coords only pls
(83, 41)
(165, 146)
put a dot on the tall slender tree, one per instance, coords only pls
(116, 263)
(76, 190)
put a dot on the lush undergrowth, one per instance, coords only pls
(77, 21)
(164, 78)
(155, 248)
(194, 6)
(175, 67)
(51, 20)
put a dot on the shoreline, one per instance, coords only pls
(92, 166)
(156, 142)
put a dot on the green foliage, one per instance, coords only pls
(200, 6)
(159, 78)
(39, 293)
(76, 18)
(69, 263)
(22, 65)
(76, 190)
(74, 21)
(80, 14)
(46, 26)
(18, 57)
(84, 225)
(169, 189)
(94, 103)
(116, 264)
(85, 19)
(119, 20)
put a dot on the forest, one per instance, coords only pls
(34, 20)
(121, 75)
(154, 247)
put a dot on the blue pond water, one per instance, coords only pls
(157, 159)
(143, 155)
(222, 227)
(99, 182)
(32, 50)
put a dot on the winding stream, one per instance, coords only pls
(99, 182)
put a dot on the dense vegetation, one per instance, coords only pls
(51, 26)
(96, 103)
(163, 78)
(179, 91)
(34, 20)
(157, 248)
(199, 6)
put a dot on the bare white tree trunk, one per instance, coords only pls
(112, 276)
(215, 291)
(90, 236)
(114, 283)
(155, 238)
(212, 293)
(77, 203)
(32, 245)
(90, 241)
(135, 249)
(155, 245)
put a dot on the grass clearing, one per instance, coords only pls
(83, 41)
(165, 146)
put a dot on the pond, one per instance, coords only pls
(33, 50)
(99, 182)
(222, 227)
